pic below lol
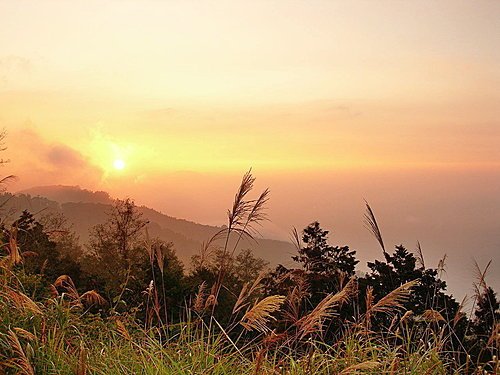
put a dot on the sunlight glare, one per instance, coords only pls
(119, 164)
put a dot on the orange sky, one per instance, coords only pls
(191, 94)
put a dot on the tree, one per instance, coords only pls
(487, 313)
(242, 269)
(145, 273)
(324, 266)
(247, 267)
(400, 268)
(60, 231)
(318, 257)
(484, 326)
(41, 255)
(164, 273)
(324, 269)
(116, 247)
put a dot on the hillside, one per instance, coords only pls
(85, 209)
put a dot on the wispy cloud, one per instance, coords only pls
(62, 156)
(37, 161)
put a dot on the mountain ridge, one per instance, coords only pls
(85, 208)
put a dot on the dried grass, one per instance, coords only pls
(420, 256)
(19, 361)
(260, 314)
(246, 292)
(81, 368)
(65, 282)
(434, 316)
(395, 299)
(13, 248)
(372, 225)
(24, 334)
(92, 298)
(480, 285)
(199, 300)
(211, 301)
(295, 298)
(313, 322)
(21, 301)
(460, 314)
(122, 330)
(494, 339)
(363, 366)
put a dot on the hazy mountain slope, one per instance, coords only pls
(12, 205)
(89, 209)
(63, 194)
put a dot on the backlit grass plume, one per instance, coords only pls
(313, 322)
(395, 299)
(372, 225)
(21, 301)
(260, 314)
(19, 361)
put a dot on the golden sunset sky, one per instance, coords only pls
(330, 102)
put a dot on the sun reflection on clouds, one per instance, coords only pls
(110, 154)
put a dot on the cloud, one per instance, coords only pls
(37, 161)
(63, 156)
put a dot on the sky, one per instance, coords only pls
(330, 103)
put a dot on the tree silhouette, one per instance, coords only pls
(116, 247)
(323, 269)
(401, 267)
(242, 269)
(41, 254)
(317, 256)
(487, 313)
(485, 327)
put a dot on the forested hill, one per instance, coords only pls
(85, 209)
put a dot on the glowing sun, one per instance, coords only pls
(119, 164)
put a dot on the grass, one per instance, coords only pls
(59, 336)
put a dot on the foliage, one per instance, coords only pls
(239, 271)
(401, 267)
(42, 255)
(318, 257)
(115, 250)
(324, 271)
(486, 327)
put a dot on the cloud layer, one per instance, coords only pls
(37, 161)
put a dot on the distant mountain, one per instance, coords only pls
(86, 208)
(63, 194)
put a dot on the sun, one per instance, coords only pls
(119, 164)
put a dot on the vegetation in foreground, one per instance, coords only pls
(125, 305)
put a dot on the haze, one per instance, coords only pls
(330, 103)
